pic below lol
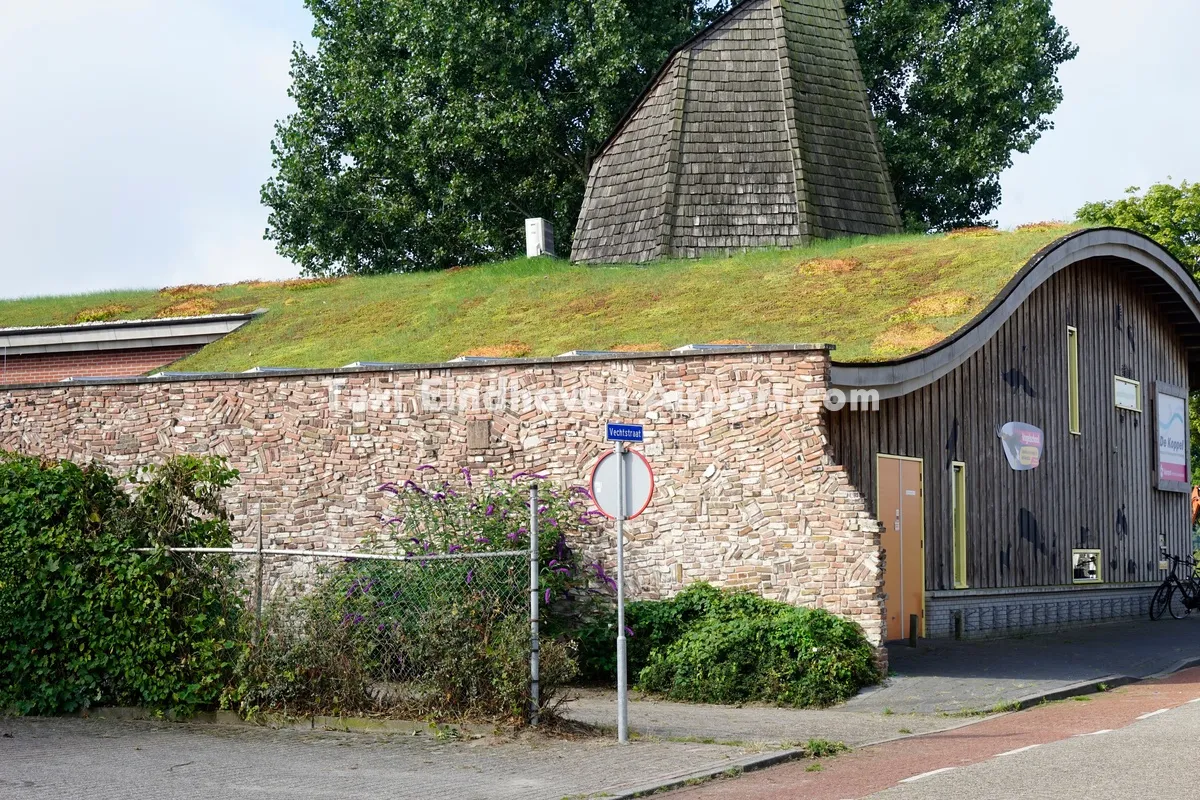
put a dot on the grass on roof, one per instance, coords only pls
(873, 298)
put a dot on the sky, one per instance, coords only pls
(136, 133)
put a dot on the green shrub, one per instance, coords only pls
(713, 646)
(466, 513)
(443, 639)
(84, 619)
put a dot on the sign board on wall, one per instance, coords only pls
(1127, 394)
(1171, 434)
(1022, 444)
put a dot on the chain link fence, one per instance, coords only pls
(359, 632)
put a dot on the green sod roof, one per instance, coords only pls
(874, 298)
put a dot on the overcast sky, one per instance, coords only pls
(136, 133)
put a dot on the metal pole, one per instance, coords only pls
(258, 577)
(622, 677)
(534, 667)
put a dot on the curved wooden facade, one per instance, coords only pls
(1094, 489)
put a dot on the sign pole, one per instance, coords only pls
(622, 677)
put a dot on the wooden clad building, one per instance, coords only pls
(757, 132)
(1087, 354)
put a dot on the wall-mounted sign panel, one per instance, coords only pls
(1172, 445)
(1085, 566)
(1127, 394)
(1022, 444)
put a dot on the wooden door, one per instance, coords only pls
(902, 511)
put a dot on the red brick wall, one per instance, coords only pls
(48, 367)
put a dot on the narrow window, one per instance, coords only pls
(1073, 377)
(959, 511)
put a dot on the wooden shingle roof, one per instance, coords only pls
(755, 133)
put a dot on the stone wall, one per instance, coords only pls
(746, 492)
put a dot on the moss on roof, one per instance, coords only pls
(876, 298)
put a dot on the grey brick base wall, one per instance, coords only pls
(1001, 612)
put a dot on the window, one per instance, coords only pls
(1085, 566)
(959, 511)
(1073, 378)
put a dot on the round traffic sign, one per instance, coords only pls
(639, 484)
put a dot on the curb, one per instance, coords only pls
(752, 763)
(735, 766)
(1074, 690)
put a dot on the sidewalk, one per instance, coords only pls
(930, 688)
(952, 677)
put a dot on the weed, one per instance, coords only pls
(814, 767)
(822, 748)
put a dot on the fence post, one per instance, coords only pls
(258, 572)
(534, 569)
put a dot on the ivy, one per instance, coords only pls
(86, 619)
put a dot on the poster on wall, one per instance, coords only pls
(1172, 445)
(1022, 444)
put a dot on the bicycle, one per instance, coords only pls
(1179, 596)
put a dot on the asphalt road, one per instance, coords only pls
(1153, 757)
(1141, 740)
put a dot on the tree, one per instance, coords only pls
(425, 132)
(957, 86)
(1168, 214)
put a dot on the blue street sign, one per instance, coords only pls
(624, 433)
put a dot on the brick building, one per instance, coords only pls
(106, 349)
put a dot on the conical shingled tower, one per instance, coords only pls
(755, 133)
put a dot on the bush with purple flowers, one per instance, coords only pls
(485, 512)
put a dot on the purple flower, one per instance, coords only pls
(482, 540)
(439, 495)
(470, 574)
(583, 490)
(517, 476)
(491, 473)
(411, 484)
(393, 521)
(389, 487)
(467, 475)
(546, 598)
(513, 536)
(629, 631)
(454, 548)
(424, 467)
(491, 509)
(554, 522)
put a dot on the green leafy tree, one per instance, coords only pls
(957, 86)
(425, 132)
(1168, 214)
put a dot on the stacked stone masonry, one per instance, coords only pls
(746, 496)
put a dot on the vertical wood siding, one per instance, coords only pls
(1094, 490)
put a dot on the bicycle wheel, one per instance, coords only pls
(1177, 602)
(1158, 604)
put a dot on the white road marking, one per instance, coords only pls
(1018, 750)
(1095, 733)
(1197, 700)
(926, 774)
(1153, 713)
